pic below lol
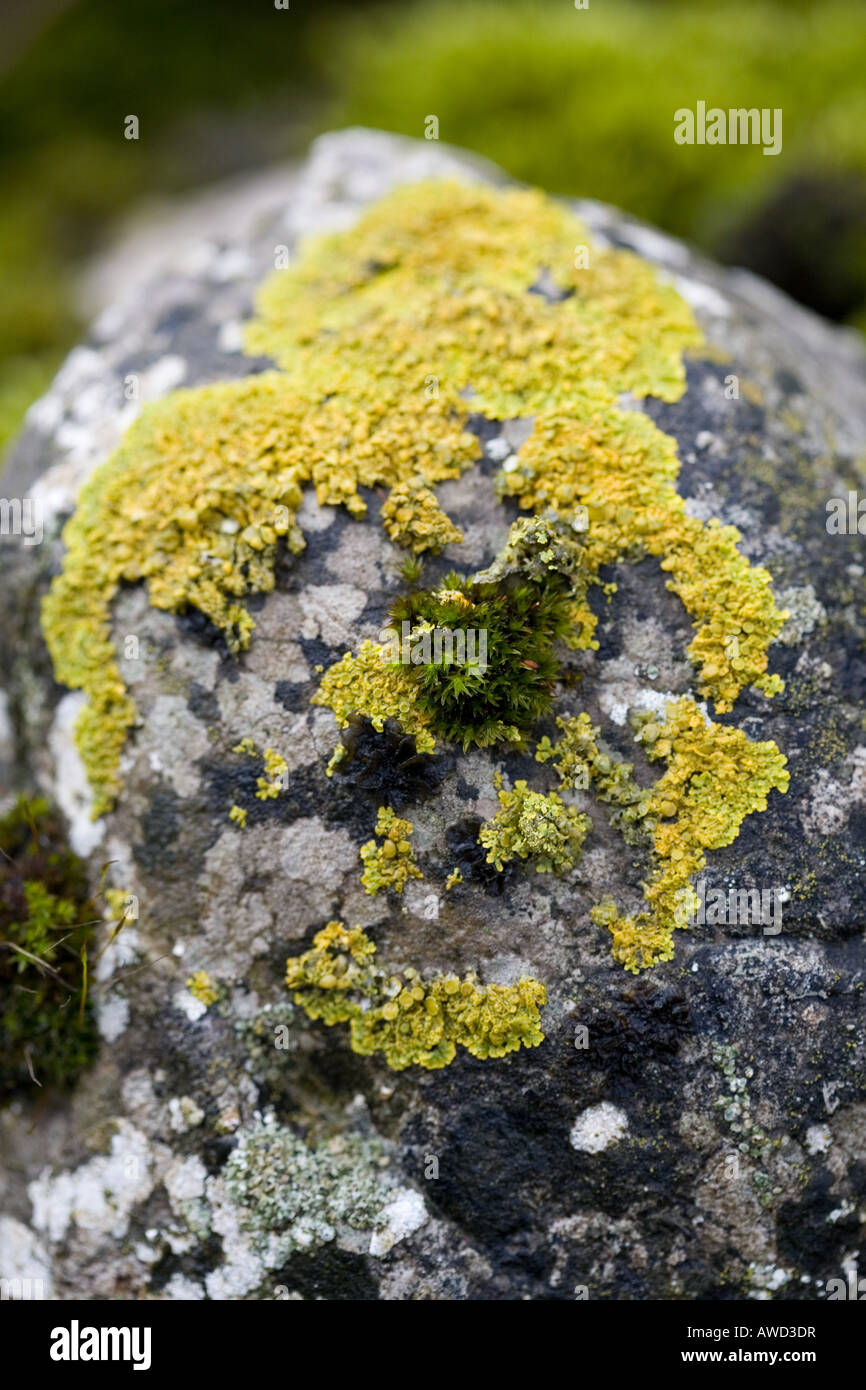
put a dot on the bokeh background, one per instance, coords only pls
(579, 102)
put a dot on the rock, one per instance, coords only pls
(695, 1130)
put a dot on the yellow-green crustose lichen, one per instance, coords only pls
(203, 988)
(433, 285)
(412, 517)
(580, 762)
(412, 1022)
(273, 780)
(391, 864)
(622, 469)
(532, 825)
(275, 770)
(367, 684)
(715, 777)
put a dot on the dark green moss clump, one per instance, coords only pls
(494, 684)
(47, 1029)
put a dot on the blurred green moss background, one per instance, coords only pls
(577, 101)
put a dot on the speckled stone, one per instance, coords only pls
(697, 1132)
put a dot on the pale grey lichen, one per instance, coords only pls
(734, 1105)
(805, 612)
(268, 1038)
(294, 1197)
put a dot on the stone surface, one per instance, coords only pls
(618, 1156)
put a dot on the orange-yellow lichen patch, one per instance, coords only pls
(411, 1021)
(715, 777)
(391, 864)
(623, 469)
(369, 684)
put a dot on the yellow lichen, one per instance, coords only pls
(193, 502)
(203, 988)
(715, 777)
(275, 774)
(579, 761)
(372, 685)
(391, 864)
(453, 879)
(412, 517)
(622, 469)
(534, 825)
(412, 1022)
(335, 759)
(272, 781)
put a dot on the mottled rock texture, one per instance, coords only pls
(698, 1131)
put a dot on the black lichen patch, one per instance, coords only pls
(387, 765)
(47, 1029)
(330, 1273)
(507, 1172)
(488, 1168)
(203, 704)
(197, 627)
(233, 781)
(806, 1236)
(641, 1028)
(756, 993)
(293, 695)
(206, 1256)
(467, 854)
(160, 827)
(318, 653)
(382, 768)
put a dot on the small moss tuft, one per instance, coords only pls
(482, 695)
(47, 1029)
